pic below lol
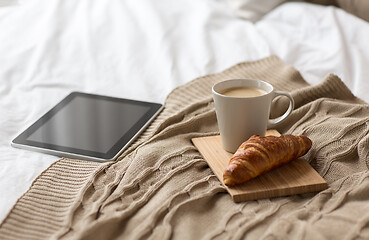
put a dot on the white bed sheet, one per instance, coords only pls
(144, 49)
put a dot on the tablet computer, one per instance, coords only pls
(87, 126)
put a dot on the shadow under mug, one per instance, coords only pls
(241, 117)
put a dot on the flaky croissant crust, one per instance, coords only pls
(260, 154)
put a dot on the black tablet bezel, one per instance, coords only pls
(22, 142)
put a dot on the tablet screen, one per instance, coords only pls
(87, 124)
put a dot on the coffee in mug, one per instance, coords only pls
(243, 92)
(242, 108)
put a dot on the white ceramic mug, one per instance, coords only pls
(241, 117)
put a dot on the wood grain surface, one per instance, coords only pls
(296, 177)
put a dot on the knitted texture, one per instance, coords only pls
(161, 187)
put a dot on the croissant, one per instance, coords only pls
(260, 154)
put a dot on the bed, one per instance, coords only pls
(144, 50)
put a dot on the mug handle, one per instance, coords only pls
(273, 122)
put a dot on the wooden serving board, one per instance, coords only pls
(295, 177)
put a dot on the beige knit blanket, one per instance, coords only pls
(161, 188)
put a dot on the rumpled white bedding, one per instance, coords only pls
(144, 49)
